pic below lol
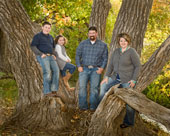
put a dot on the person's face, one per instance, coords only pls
(92, 35)
(46, 29)
(123, 43)
(61, 41)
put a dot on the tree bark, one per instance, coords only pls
(154, 65)
(145, 106)
(100, 11)
(107, 118)
(132, 19)
(32, 109)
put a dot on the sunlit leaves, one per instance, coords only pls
(158, 27)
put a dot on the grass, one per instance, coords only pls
(8, 90)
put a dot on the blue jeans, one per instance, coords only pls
(106, 86)
(69, 67)
(130, 112)
(94, 78)
(50, 73)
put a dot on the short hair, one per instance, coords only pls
(46, 23)
(125, 36)
(92, 28)
(57, 38)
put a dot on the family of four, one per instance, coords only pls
(91, 59)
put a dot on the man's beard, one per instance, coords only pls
(92, 38)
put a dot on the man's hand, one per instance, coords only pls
(100, 70)
(43, 56)
(80, 69)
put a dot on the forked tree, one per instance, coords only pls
(53, 113)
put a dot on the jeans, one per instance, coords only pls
(129, 118)
(106, 86)
(130, 112)
(69, 67)
(50, 73)
(94, 78)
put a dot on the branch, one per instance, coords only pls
(153, 67)
(142, 104)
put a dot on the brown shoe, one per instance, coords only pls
(48, 95)
(72, 89)
(65, 80)
(52, 94)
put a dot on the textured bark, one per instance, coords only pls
(32, 109)
(145, 106)
(132, 19)
(153, 67)
(108, 116)
(100, 11)
(112, 104)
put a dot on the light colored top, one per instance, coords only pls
(62, 56)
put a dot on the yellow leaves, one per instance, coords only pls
(159, 5)
(76, 116)
(73, 121)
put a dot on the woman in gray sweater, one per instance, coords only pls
(123, 68)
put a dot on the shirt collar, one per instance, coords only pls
(125, 50)
(44, 34)
(94, 42)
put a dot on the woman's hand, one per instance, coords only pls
(105, 80)
(131, 83)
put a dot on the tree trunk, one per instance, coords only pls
(145, 106)
(100, 11)
(108, 116)
(153, 67)
(32, 109)
(132, 19)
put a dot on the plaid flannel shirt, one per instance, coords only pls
(92, 54)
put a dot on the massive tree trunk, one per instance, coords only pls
(32, 109)
(132, 19)
(100, 11)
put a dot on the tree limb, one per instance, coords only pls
(154, 65)
(141, 103)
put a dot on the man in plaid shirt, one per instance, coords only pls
(91, 59)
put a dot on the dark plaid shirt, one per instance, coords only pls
(92, 54)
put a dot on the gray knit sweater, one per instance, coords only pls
(126, 64)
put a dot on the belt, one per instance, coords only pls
(90, 66)
(49, 54)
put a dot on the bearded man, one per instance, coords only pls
(91, 59)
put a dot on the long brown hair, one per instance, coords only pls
(57, 38)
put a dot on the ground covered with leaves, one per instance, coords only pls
(80, 122)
